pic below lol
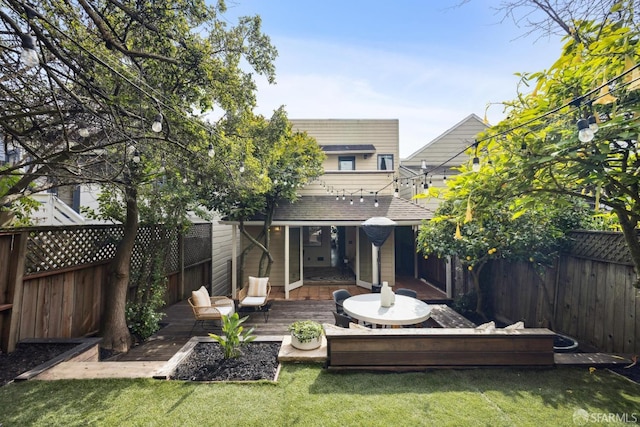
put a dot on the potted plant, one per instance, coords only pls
(306, 334)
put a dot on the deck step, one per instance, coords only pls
(86, 370)
(590, 359)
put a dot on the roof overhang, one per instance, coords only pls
(349, 149)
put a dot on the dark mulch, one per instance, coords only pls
(631, 371)
(259, 361)
(26, 357)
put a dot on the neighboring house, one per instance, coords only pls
(439, 156)
(324, 227)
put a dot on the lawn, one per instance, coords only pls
(307, 395)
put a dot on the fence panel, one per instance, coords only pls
(65, 274)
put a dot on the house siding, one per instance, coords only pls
(382, 134)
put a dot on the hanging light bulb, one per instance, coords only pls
(157, 124)
(29, 55)
(343, 195)
(337, 197)
(361, 198)
(375, 202)
(136, 157)
(593, 123)
(83, 130)
(163, 165)
(210, 151)
(241, 169)
(351, 201)
(425, 188)
(396, 193)
(475, 166)
(584, 133)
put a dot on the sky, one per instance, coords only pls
(427, 63)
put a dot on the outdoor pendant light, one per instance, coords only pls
(584, 133)
(83, 130)
(593, 123)
(157, 124)
(29, 55)
(476, 164)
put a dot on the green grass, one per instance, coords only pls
(307, 395)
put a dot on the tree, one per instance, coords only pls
(596, 78)
(273, 163)
(97, 76)
(476, 225)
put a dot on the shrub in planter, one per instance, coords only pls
(306, 334)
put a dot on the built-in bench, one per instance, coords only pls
(421, 348)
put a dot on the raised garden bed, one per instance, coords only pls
(201, 359)
(34, 356)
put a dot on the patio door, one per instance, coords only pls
(293, 255)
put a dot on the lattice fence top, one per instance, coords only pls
(56, 248)
(601, 246)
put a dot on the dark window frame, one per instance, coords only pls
(386, 157)
(351, 159)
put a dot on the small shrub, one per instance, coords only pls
(306, 330)
(234, 335)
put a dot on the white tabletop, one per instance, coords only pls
(405, 311)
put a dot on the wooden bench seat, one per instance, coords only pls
(422, 348)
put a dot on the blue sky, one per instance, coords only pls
(427, 63)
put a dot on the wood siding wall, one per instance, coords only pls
(383, 134)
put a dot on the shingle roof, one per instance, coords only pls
(326, 209)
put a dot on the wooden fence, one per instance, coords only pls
(53, 279)
(588, 294)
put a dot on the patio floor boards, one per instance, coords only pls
(313, 302)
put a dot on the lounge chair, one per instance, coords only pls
(206, 307)
(256, 294)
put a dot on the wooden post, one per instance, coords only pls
(181, 265)
(15, 277)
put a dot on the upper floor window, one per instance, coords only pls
(347, 163)
(385, 162)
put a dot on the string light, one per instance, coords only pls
(585, 134)
(361, 198)
(157, 124)
(28, 56)
(210, 151)
(375, 203)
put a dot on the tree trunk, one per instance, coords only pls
(480, 297)
(115, 333)
(630, 232)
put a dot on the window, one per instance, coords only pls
(347, 163)
(313, 236)
(385, 162)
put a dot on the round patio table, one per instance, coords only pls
(405, 311)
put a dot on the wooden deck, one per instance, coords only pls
(313, 302)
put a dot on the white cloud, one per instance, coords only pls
(428, 93)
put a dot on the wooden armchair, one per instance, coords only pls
(256, 294)
(206, 307)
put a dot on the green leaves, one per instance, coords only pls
(233, 335)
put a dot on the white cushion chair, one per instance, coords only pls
(256, 295)
(206, 307)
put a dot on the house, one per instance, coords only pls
(324, 227)
(434, 162)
